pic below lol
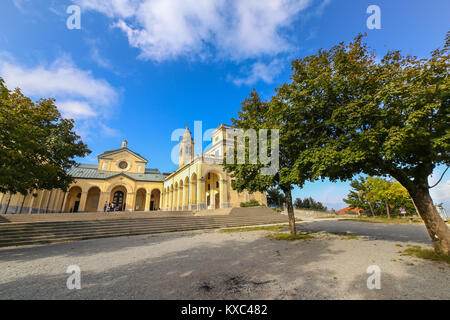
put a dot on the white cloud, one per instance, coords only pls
(259, 72)
(76, 109)
(78, 93)
(101, 61)
(235, 29)
(441, 192)
(61, 78)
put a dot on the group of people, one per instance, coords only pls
(110, 207)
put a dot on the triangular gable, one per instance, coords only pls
(107, 154)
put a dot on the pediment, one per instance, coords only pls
(122, 152)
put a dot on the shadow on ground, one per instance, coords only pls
(379, 231)
(242, 270)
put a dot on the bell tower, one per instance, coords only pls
(186, 148)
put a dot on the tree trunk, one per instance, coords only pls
(388, 210)
(7, 204)
(437, 229)
(21, 206)
(371, 210)
(290, 209)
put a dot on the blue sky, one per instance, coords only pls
(139, 69)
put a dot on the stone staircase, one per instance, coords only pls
(16, 234)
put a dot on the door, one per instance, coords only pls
(217, 201)
(118, 201)
(151, 206)
(76, 206)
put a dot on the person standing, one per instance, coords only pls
(106, 206)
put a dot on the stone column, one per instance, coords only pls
(201, 199)
(66, 196)
(47, 204)
(166, 199)
(28, 204)
(148, 198)
(161, 199)
(101, 201)
(131, 202)
(223, 192)
(180, 199)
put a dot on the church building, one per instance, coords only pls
(122, 177)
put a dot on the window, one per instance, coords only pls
(209, 187)
(217, 184)
(123, 165)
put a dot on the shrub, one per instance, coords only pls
(251, 203)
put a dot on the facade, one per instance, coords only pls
(121, 177)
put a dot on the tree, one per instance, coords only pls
(358, 196)
(309, 203)
(379, 195)
(37, 145)
(257, 114)
(275, 197)
(354, 115)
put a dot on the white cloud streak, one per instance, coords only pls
(78, 93)
(232, 29)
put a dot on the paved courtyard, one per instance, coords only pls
(215, 265)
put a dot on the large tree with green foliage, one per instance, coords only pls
(37, 145)
(389, 118)
(345, 113)
(257, 114)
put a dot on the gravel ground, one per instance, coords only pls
(214, 265)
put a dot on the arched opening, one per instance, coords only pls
(194, 189)
(180, 195)
(141, 194)
(119, 198)
(212, 188)
(73, 200)
(154, 199)
(92, 200)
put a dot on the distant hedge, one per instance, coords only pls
(251, 203)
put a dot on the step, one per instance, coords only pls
(72, 226)
(56, 232)
(127, 232)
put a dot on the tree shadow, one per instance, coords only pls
(228, 269)
(418, 280)
(379, 231)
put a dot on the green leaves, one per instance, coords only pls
(374, 192)
(37, 146)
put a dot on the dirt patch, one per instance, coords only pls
(232, 285)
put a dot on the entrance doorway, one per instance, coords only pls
(217, 201)
(76, 206)
(118, 201)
